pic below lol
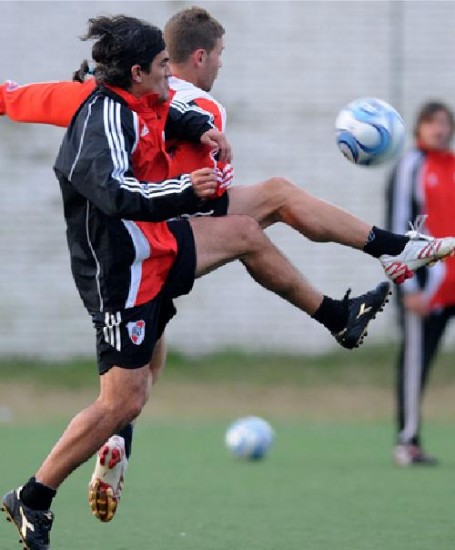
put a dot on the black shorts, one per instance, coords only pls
(128, 337)
(216, 207)
(220, 205)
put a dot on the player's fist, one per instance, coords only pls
(204, 182)
(218, 143)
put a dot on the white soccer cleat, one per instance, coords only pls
(412, 455)
(107, 480)
(421, 250)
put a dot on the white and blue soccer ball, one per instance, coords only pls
(369, 132)
(249, 438)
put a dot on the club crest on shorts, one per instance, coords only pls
(136, 330)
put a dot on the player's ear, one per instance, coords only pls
(136, 73)
(198, 56)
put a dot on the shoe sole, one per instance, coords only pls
(450, 254)
(10, 519)
(103, 503)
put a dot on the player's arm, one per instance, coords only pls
(99, 167)
(188, 122)
(215, 109)
(187, 156)
(44, 102)
(224, 168)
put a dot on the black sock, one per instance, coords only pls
(381, 242)
(333, 314)
(127, 434)
(37, 496)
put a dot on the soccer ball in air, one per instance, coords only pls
(249, 438)
(369, 132)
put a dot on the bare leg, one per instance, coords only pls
(106, 483)
(122, 396)
(266, 264)
(279, 200)
(156, 366)
(158, 361)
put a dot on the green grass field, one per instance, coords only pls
(323, 486)
(327, 484)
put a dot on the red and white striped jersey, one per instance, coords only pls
(189, 156)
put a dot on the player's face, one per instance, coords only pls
(156, 80)
(211, 65)
(437, 132)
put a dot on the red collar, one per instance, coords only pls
(141, 104)
(434, 152)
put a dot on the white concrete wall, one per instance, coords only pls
(288, 68)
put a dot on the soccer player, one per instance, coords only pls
(422, 186)
(129, 263)
(195, 43)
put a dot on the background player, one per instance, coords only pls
(422, 184)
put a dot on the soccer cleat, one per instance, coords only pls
(361, 311)
(412, 455)
(421, 250)
(107, 479)
(33, 525)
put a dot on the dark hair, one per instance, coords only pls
(122, 42)
(427, 112)
(189, 30)
(80, 74)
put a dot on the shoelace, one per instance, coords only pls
(414, 229)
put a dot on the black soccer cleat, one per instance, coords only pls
(361, 311)
(34, 526)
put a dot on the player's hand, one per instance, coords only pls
(417, 303)
(220, 146)
(204, 182)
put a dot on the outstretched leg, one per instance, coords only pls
(279, 200)
(347, 320)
